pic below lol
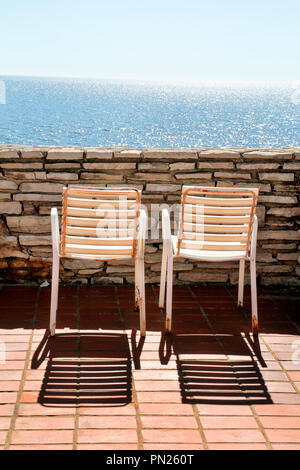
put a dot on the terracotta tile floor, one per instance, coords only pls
(98, 385)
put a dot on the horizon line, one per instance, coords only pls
(182, 82)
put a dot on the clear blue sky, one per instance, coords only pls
(151, 39)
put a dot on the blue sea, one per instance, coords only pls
(41, 111)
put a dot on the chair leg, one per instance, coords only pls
(254, 297)
(142, 306)
(241, 283)
(169, 293)
(163, 275)
(54, 294)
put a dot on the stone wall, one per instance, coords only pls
(31, 182)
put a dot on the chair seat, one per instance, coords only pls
(206, 255)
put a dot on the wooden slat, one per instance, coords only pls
(215, 237)
(97, 203)
(98, 250)
(101, 213)
(212, 255)
(99, 241)
(97, 232)
(93, 222)
(215, 210)
(191, 227)
(219, 201)
(104, 193)
(211, 219)
(212, 246)
(98, 257)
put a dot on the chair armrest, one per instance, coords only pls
(142, 233)
(254, 238)
(55, 231)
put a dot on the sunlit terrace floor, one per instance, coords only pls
(97, 385)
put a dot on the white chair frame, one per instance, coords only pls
(138, 244)
(171, 251)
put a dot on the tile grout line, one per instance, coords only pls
(23, 378)
(252, 408)
(133, 389)
(194, 408)
(76, 415)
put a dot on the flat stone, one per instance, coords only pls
(8, 240)
(65, 154)
(268, 155)
(110, 166)
(287, 256)
(292, 166)
(105, 280)
(283, 268)
(38, 197)
(203, 277)
(32, 154)
(257, 166)
(62, 166)
(41, 187)
(193, 176)
(128, 154)
(278, 199)
(93, 154)
(7, 184)
(5, 196)
(215, 165)
(284, 211)
(276, 176)
(169, 154)
(10, 207)
(22, 166)
(29, 223)
(182, 166)
(9, 155)
(60, 176)
(88, 272)
(153, 166)
(119, 269)
(280, 246)
(35, 240)
(150, 177)
(263, 187)
(230, 175)
(26, 175)
(278, 235)
(69, 263)
(102, 177)
(11, 252)
(163, 188)
(286, 188)
(217, 154)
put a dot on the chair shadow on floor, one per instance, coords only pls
(84, 369)
(227, 374)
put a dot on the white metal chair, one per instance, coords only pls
(216, 224)
(100, 224)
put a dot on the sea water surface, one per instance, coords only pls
(41, 111)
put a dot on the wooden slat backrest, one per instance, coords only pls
(100, 223)
(216, 219)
